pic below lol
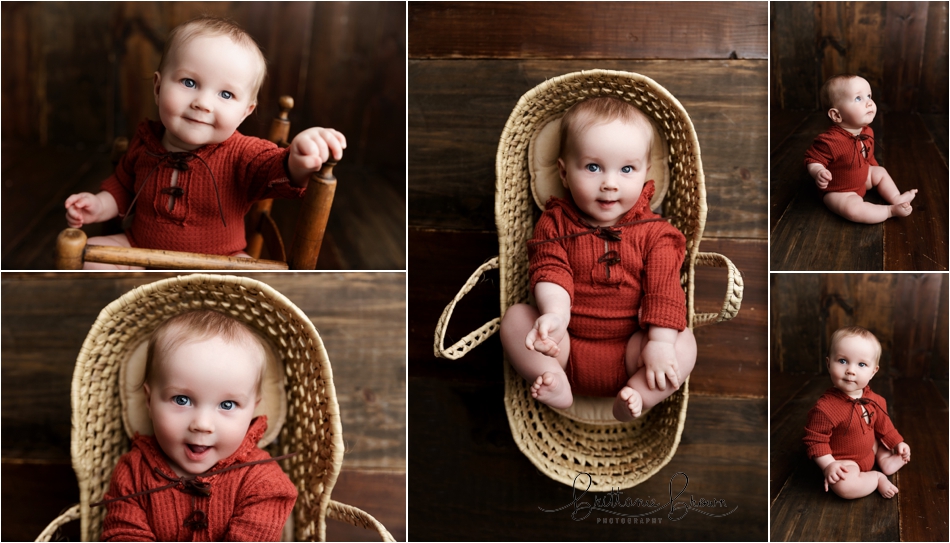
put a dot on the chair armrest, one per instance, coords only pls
(357, 517)
(69, 515)
(312, 224)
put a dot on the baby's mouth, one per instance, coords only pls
(197, 449)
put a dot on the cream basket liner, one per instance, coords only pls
(312, 427)
(564, 444)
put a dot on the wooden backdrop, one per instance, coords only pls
(46, 316)
(469, 63)
(899, 47)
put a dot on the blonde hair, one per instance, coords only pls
(217, 26)
(829, 90)
(603, 109)
(857, 331)
(200, 325)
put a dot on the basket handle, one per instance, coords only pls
(357, 517)
(473, 339)
(69, 515)
(734, 286)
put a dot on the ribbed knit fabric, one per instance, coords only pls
(610, 300)
(246, 170)
(836, 426)
(246, 504)
(840, 152)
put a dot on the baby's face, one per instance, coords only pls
(852, 364)
(204, 92)
(201, 399)
(855, 108)
(604, 168)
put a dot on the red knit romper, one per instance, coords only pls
(845, 157)
(620, 279)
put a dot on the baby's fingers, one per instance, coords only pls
(336, 143)
(673, 377)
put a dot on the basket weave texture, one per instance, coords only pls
(613, 455)
(312, 428)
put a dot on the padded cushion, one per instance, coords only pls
(593, 410)
(135, 410)
(543, 153)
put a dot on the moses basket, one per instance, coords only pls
(586, 439)
(299, 397)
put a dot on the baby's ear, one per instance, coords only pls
(834, 115)
(148, 397)
(562, 171)
(156, 85)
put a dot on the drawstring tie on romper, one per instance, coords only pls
(198, 519)
(179, 161)
(857, 406)
(606, 233)
(860, 149)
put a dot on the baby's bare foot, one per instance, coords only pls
(885, 487)
(890, 463)
(628, 405)
(901, 210)
(906, 197)
(552, 389)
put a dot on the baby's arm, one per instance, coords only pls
(831, 468)
(554, 304)
(88, 208)
(310, 149)
(659, 357)
(263, 504)
(820, 174)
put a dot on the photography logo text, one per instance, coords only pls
(615, 508)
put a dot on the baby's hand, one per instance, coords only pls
(82, 208)
(548, 330)
(903, 449)
(311, 148)
(823, 178)
(834, 473)
(659, 357)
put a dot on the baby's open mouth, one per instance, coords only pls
(197, 449)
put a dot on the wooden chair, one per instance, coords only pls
(72, 250)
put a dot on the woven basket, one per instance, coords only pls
(312, 427)
(561, 443)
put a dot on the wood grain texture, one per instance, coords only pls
(922, 420)
(788, 176)
(454, 126)
(920, 241)
(379, 493)
(935, 62)
(360, 317)
(463, 457)
(796, 328)
(641, 30)
(794, 75)
(732, 354)
(787, 424)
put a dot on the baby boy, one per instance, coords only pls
(849, 428)
(202, 383)
(192, 175)
(841, 160)
(605, 272)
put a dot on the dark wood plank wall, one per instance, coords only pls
(469, 63)
(899, 47)
(81, 74)
(360, 317)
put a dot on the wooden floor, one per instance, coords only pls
(805, 236)
(802, 511)
(469, 481)
(46, 317)
(366, 229)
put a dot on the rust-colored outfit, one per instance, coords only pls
(836, 426)
(246, 170)
(249, 503)
(620, 279)
(845, 157)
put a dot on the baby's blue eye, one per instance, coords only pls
(227, 95)
(181, 400)
(842, 361)
(627, 169)
(863, 365)
(190, 83)
(592, 168)
(227, 405)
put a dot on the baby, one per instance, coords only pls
(841, 160)
(849, 428)
(202, 383)
(193, 176)
(605, 272)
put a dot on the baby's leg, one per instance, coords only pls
(115, 240)
(852, 207)
(887, 460)
(546, 373)
(878, 177)
(858, 484)
(637, 396)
